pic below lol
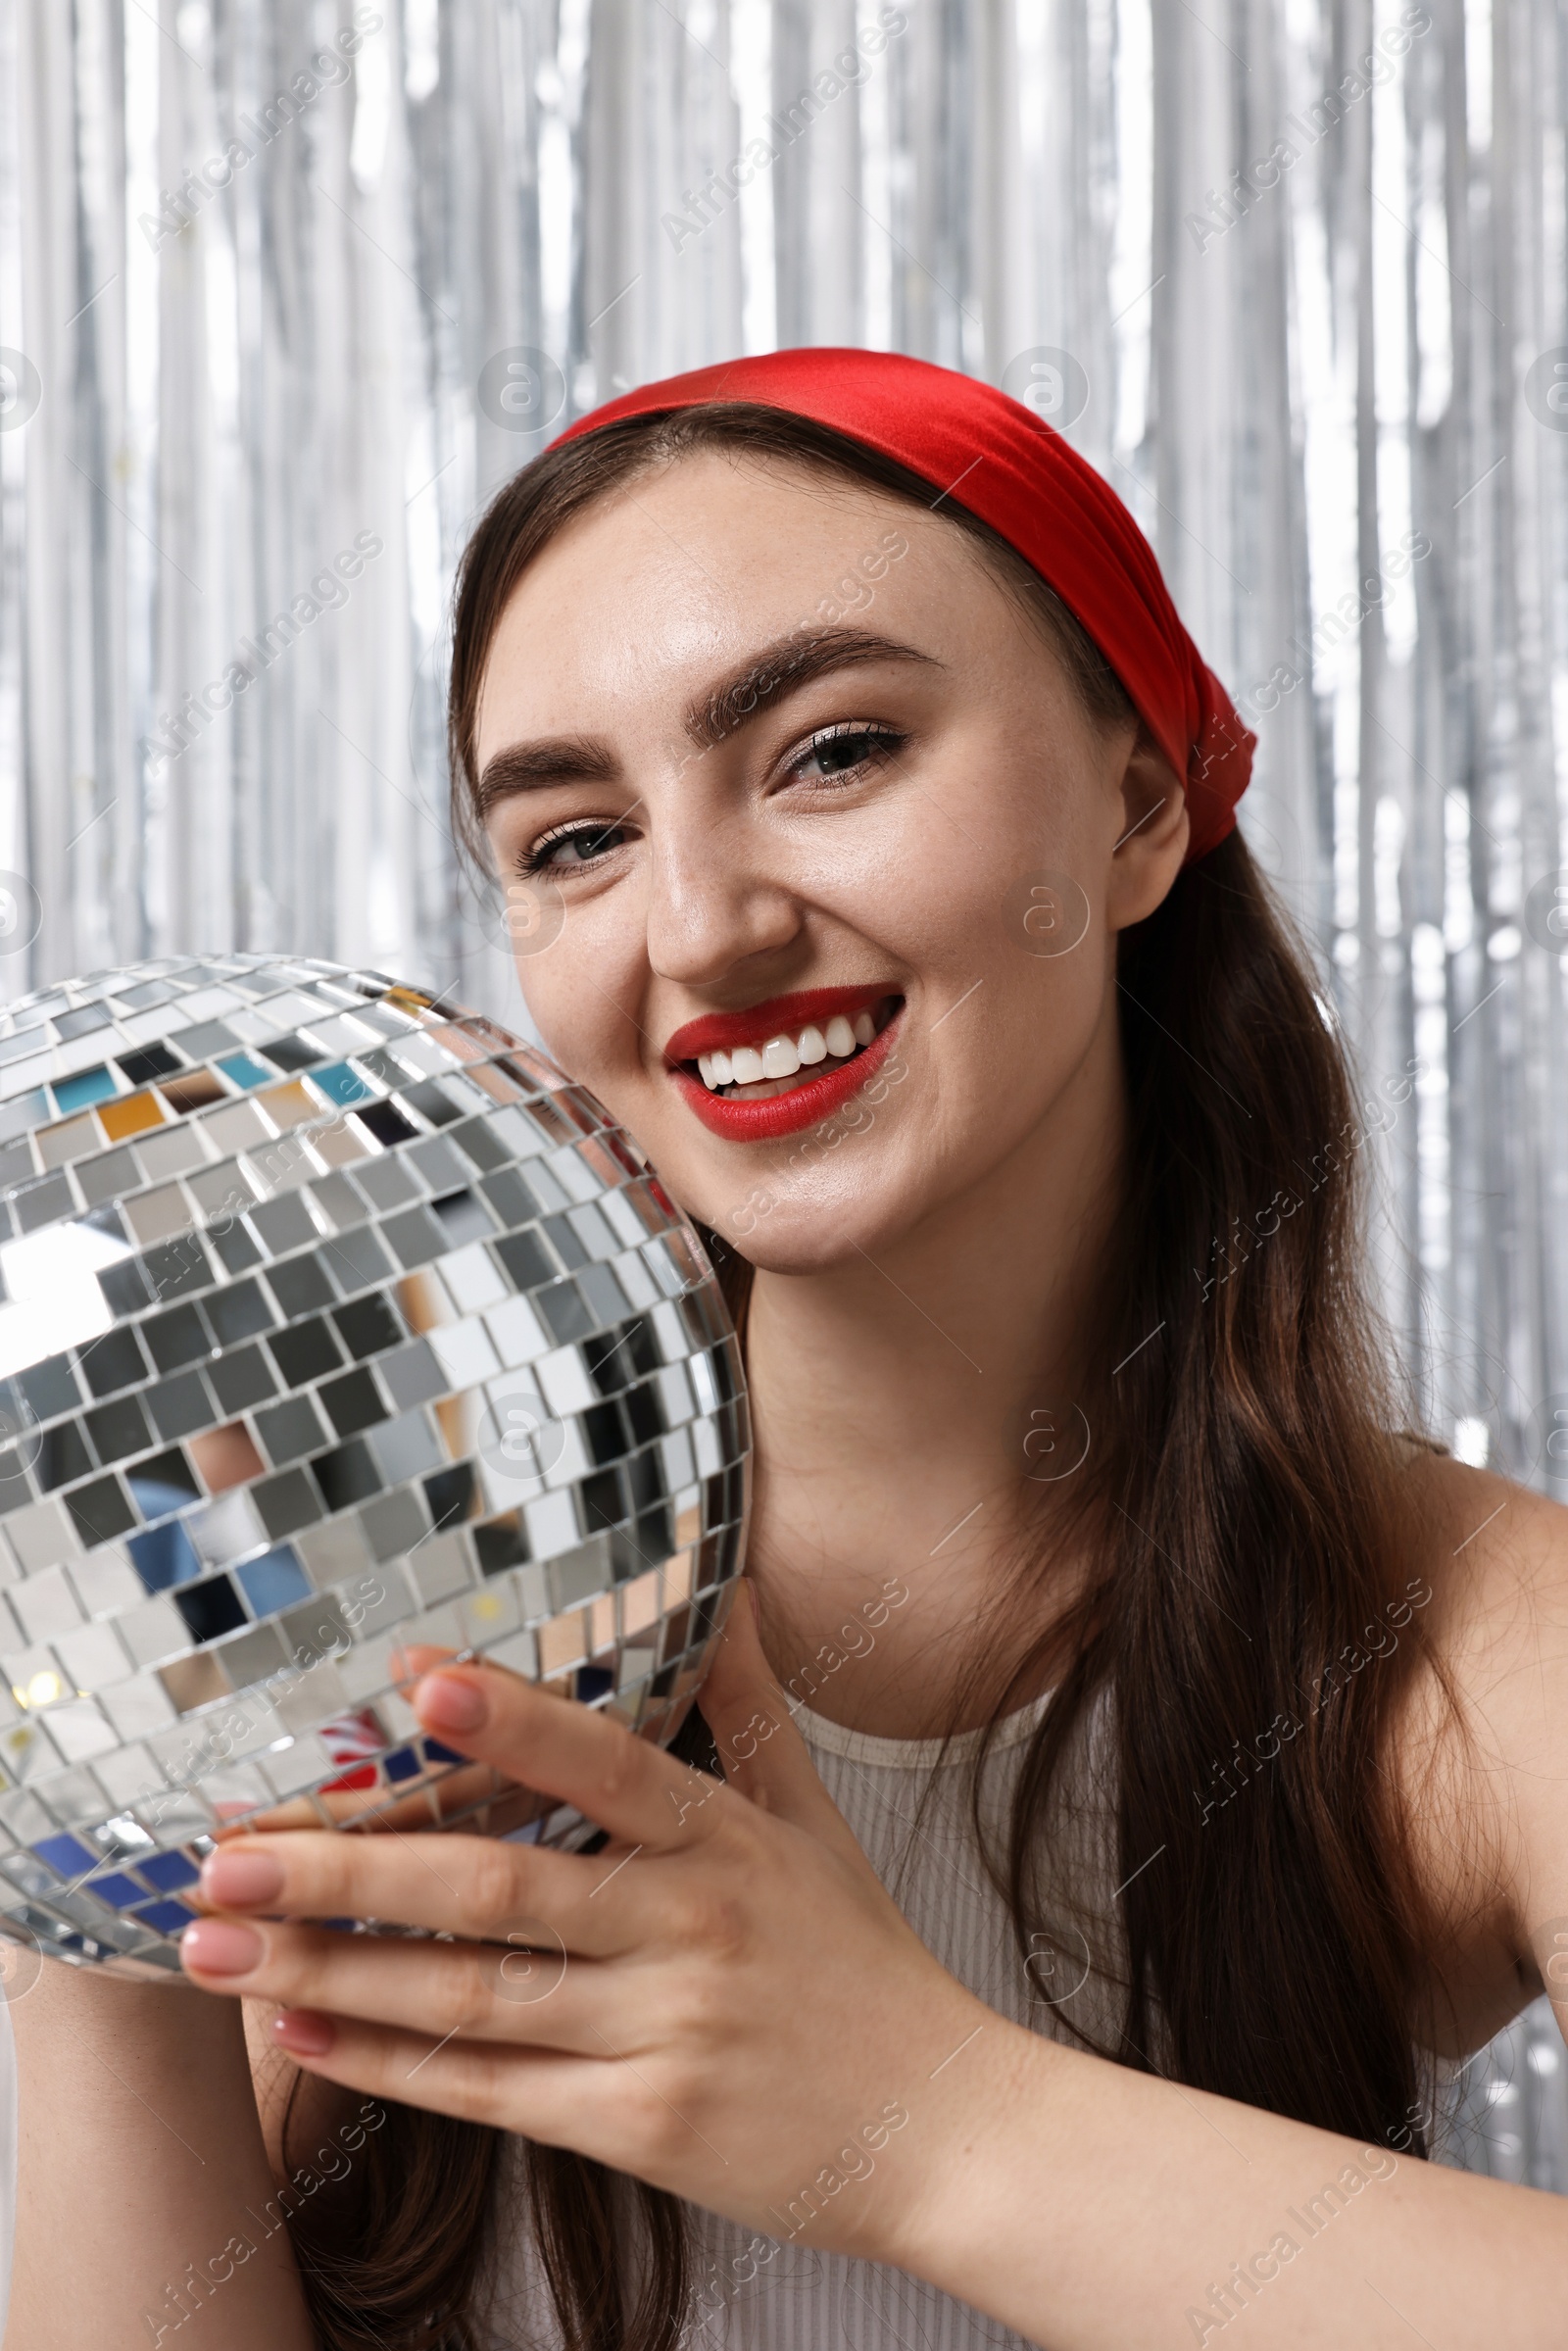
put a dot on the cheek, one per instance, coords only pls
(583, 1010)
(986, 866)
(1006, 946)
(1014, 1029)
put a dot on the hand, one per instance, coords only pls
(723, 2001)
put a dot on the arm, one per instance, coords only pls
(143, 2176)
(1096, 2209)
(1405, 2250)
(725, 2002)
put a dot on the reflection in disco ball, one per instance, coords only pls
(333, 1319)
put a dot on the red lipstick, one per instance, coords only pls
(807, 1105)
(779, 1016)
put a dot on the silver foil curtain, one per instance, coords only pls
(287, 287)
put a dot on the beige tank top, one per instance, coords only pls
(760, 2294)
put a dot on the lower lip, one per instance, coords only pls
(803, 1106)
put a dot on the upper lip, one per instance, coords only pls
(775, 1016)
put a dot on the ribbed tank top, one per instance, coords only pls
(908, 1806)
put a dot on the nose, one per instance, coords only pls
(716, 898)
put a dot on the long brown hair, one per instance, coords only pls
(1249, 1539)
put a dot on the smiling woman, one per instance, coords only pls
(957, 2004)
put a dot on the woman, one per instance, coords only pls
(1210, 1730)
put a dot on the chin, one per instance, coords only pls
(807, 1204)
(792, 1249)
(789, 1230)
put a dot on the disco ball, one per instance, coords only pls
(332, 1319)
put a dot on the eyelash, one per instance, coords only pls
(536, 859)
(886, 739)
(886, 742)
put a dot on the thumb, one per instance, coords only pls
(763, 1756)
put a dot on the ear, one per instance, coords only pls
(1152, 830)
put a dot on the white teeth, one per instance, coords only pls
(784, 1056)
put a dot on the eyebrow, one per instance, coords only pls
(784, 666)
(531, 766)
(754, 686)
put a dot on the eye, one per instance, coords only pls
(571, 846)
(844, 752)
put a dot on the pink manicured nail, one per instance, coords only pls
(304, 2032)
(221, 1947)
(241, 1880)
(451, 1705)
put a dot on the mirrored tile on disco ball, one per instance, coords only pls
(332, 1319)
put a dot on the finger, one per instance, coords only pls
(412, 1662)
(469, 1793)
(495, 1806)
(475, 1886)
(575, 1754)
(764, 1754)
(481, 1991)
(533, 2090)
(606, 2106)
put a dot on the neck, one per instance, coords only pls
(892, 1399)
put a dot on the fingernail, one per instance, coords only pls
(304, 2032)
(221, 1947)
(454, 1705)
(241, 1880)
(408, 1664)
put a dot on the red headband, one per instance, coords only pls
(1004, 463)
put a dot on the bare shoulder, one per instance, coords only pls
(1481, 1739)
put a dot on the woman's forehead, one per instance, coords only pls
(719, 527)
(706, 562)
